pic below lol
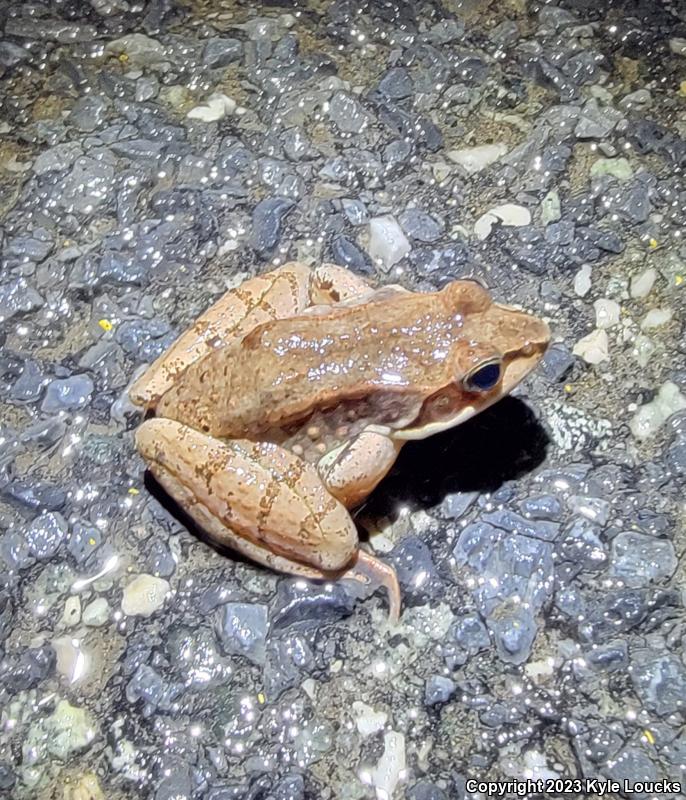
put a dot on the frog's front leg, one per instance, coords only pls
(261, 500)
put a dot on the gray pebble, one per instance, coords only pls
(396, 84)
(220, 52)
(438, 690)
(68, 394)
(18, 297)
(241, 629)
(639, 559)
(88, 114)
(45, 534)
(348, 113)
(267, 222)
(420, 226)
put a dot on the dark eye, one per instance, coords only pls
(483, 378)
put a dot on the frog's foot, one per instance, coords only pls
(368, 569)
(281, 293)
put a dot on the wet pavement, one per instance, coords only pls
(153, 155)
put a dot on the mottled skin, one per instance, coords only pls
(288, 401)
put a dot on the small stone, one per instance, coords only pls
(391, 766)
(678, 46)
(267, 222)
(96, 613)
(84, 787)
(59, 157)
(636, 101)
(144, 595)
(474, 159)
(640, 559)
(659, 681)
(242, 630)
(138, 49)
(18, 297)
(582, 281)
(71, 660)
(88, 114)
(656, 318)
(543, 506)
(45, 534)
(397, 83)
(438, 690)
(69, 394)
(650, 417)
(348, 113)
(551, 208)
(220, 52)
(642, 284)
(355, 211)
(421, 226)
(596, 122)
(606, 313)
(619, 168)
(593, 348)
(387, 242)
(557, 362)
(367, 720)
(508, 214)
(69, 729)
(216, 107)
(71, 615)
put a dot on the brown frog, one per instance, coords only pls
(288, 401)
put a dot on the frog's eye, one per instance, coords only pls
(483, 378)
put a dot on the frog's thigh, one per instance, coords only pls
(260, 499)
(275, 295)
(333, 284)
(353, 471)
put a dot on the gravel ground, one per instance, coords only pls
(154, 153)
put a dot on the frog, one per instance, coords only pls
(287, 402)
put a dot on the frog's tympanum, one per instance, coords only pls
(288, 401)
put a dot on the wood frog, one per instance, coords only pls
(287, 402)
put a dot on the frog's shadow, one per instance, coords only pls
(500, 444)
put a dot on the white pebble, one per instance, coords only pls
(650, 417)
(368, 720)
(70, 658)
(643, 283)
(387, 242)
(606, 313)
(508, 214)
(144, 595)
(474, 159)
(593, 348)
(656, 318)
(391, 766)
(678, 46)
(582, 281)
(215, 108)
(97, 613)
(72, 611)
(643, 349)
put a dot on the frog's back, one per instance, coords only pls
(286, 369)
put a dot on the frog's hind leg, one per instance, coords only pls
(275, 295)
(262, 501)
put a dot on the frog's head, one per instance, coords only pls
(497, 347)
